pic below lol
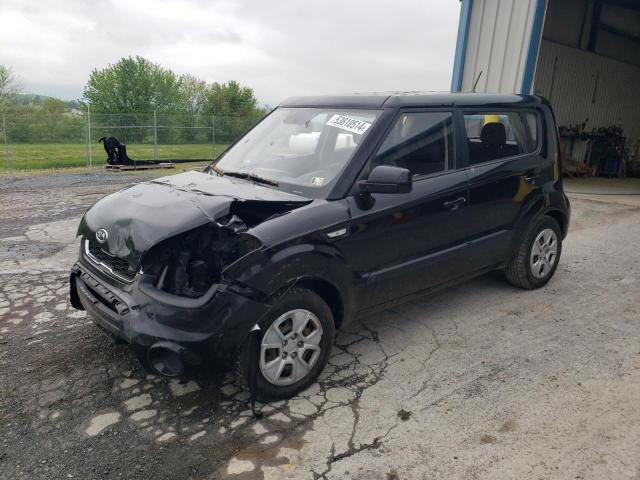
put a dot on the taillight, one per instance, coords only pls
(559, 146)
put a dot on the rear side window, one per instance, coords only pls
(418, 141)
(495, 135)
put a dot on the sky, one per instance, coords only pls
(280, 48)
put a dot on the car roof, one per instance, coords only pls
(411, 99)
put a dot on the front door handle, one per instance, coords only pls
(454, 204)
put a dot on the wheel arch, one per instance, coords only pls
(318, 268)
(329, 293)
(559, 217)
(535, 206)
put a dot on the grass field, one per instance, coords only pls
(66, 155)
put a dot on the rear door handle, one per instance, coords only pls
(454, 204)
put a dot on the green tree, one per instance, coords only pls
(230, 99)
(136, 87)
(132, 85)
(192, 93)
(9, 86)
(53, 111)
(235, 109)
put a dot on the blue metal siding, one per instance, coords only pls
(461, 45)
(534, 47)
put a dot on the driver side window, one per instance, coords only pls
(418, 141)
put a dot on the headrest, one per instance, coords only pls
(410, 127)
(493, 134)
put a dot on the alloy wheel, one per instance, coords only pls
(544, 252)
(290, 347)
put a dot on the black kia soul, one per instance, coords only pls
(329, 208)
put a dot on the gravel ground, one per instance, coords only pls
(482, 381)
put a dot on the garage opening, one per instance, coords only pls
(589, 68)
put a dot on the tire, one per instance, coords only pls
(290, 310)
(524, 271)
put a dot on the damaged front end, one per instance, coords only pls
(191, 263)
(152, 267)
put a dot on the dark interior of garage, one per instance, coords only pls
(589, 69)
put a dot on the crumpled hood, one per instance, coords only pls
(140, 216)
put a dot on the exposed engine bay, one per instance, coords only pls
(188, 264)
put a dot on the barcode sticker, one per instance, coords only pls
(349, 124)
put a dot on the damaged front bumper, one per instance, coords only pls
(171, 335)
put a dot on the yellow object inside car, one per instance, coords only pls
(492, 118)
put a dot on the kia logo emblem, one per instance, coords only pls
(102, 235)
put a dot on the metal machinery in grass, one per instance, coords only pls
(117, 157)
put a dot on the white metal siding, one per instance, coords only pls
(498, 40)
(586, 85)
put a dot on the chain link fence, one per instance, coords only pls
(35, 140)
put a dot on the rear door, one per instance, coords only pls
(408, 242)
(504, 168)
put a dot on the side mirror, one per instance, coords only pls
(387, 179)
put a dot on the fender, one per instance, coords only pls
(273, 271)
(536, 204)
(297, 250)
(269, 271)
(532, 206)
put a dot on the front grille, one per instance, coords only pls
(111, 265)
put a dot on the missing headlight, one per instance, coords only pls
(189, 263)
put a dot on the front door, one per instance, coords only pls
(407, 242)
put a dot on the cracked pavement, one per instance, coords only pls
(481, 381)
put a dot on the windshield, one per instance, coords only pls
(301, 150)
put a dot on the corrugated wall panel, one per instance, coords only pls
(583, 85)
(499, 46)
(498, 40)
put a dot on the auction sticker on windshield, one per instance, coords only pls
(348, 123)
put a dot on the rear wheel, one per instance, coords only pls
(536, 256)
(297, 337)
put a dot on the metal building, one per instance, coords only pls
(583, 55)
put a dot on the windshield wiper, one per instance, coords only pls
(259, 179)
(217, 169)
(250, 176)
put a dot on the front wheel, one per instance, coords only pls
(297, 336)
(536, 256)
